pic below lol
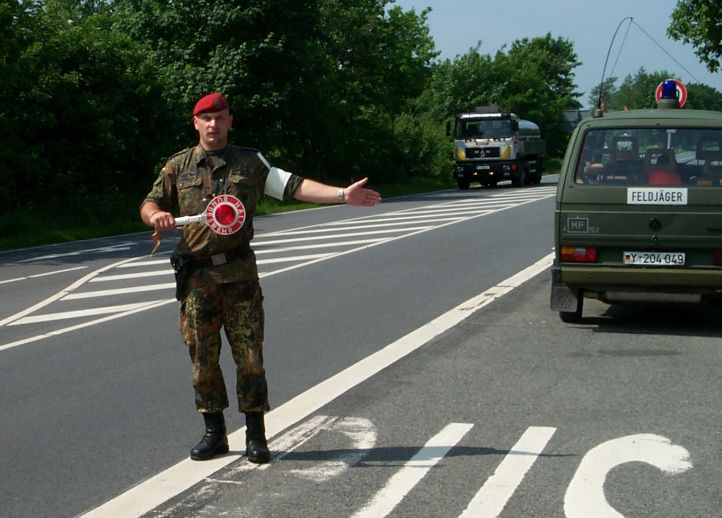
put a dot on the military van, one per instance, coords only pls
(638, 215)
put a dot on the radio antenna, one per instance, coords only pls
(609, 50)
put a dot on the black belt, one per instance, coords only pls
(222, 258)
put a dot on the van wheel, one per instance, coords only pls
(574, 317)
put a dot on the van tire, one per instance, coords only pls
(574, 317)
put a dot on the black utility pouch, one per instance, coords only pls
(182, 268)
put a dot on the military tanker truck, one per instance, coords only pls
(491, 145)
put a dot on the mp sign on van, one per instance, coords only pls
(656, 196)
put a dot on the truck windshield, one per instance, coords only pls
(482, 128)
(651, 156)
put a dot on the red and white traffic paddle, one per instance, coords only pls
(225, 214)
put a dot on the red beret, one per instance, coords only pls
(214, 102)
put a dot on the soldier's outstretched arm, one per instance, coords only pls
(355, 194)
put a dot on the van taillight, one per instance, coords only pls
(578, 254)
(718, 257)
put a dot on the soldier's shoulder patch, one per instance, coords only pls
(247, 159)
(180, 153)
(250, 150)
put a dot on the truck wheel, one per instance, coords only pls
(539, 169)
(528, 175)
(462, 183)
(519, 178)
(574, 317)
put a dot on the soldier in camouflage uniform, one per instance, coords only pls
(217, 274)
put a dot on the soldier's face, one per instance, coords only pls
(212, 128)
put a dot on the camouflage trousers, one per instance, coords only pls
(237, 308)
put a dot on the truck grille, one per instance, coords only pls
(482, 152)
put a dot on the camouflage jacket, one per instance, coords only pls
(187, 181)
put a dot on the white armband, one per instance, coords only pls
(276, 182)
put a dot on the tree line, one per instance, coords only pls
(96, 94)
(637, 91)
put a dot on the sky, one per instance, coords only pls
(458, 25)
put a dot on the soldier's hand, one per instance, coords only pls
(356, 194)
(162, 220)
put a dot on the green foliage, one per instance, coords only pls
(85, 107)
(315, 84)
(703, 97)
(638, 91)
(699, 22)
(422, 149)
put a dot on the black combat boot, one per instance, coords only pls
(256, 445)
(215, 441)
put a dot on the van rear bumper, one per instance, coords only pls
(618, 284)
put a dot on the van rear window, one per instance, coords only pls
(651, 156)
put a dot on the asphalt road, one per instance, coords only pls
(619, 414)
(621, 411)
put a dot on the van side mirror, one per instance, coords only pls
(515, 126)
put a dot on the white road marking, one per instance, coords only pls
(281, 447)
(288, 442)
(63, 315)
(407, 218)
(328, 229)
(43, 274)
(319, 245)
(62, 293)
(491, 499)
(293, 258)
(124, 276)
(156, 490)
(81, 326)
(119, 291)
(152, 262)
(464, 208)
(336, 236)
(103, 250)
(413, 471)
(585, 495)
(362, 433)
